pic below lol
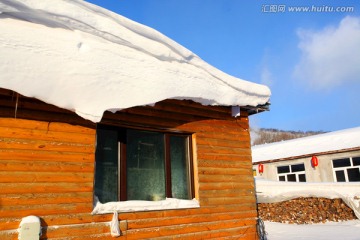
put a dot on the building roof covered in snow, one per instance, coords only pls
(323, 143)
(87, 59)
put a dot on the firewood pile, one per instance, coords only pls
(306, 210)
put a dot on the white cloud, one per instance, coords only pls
(331, 56)
(266, 76)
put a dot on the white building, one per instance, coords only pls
(337, 154)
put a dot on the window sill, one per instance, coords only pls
(137, 205)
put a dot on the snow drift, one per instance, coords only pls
(273, 191)
(81, 57)
(139, 205)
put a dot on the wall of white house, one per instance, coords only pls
(324, 172)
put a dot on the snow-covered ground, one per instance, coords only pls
(348, 230)
(273, 191)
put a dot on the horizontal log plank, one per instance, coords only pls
(35, 145)
(246, 159)
(227, 200)
(246, 232)
(13, 235)
(235, 136)
(57, 220)
(153, 112)
(45, 126)
(45, 177)
(76, 230)
(9, 235)
(208, 128)
(20, 133)
(44, 198)
(105, 236)
(223, 150)
(223, 143)
(138, 120)
(45, 116)
(173, 103)
(209, 171)
(44, 209)
(224, 164)
(46, 166)
(171, 221)
(186, 228)
(225, 185)
(180, 111)
(22, 155)
(227, 193)
(187, 212)
(238, 178)
(21, 102)
(17, 188)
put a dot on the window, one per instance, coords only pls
(142, 165)
(347, 169)
(292, 173)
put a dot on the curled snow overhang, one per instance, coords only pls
(81, 57)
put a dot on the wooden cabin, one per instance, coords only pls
(164, 163)
(48, 157)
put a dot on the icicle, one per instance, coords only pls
(16, 104)
(114, 226)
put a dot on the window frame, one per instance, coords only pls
(122, 169)
(290, 172)
(344, 168)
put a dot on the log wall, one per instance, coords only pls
(47, 169)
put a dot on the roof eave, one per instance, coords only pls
(257, 109)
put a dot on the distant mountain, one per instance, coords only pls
(269, 135)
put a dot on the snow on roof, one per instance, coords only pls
(87, 59)
(327, 142)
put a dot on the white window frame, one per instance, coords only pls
(145, 205)
(290, 172)
(344, 169)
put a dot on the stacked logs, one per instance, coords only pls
(306, 211)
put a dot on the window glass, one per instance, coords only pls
(106, 174)
(353, 174)
(345, 162)
(292, 173)
(298, 167)
(179, 153)
(302, 178)
(340, 176)
(291, 177)
(145, 176)
(142, 165)
(283, 169)
(356, 161)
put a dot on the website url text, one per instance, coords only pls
(279, 8)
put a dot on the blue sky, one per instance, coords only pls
(310, 60)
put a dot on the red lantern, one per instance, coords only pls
(314, 161)
(261, 168)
